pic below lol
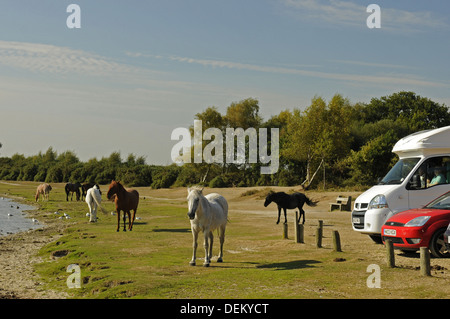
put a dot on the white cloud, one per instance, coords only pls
(339, 12)
(36, 57)
(375, 65)
(385, 80)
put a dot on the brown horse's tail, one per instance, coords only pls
(310, 202)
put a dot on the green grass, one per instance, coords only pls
(152, 261)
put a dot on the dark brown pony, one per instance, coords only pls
(285, 201)
(85, 187)
(72, 188)
(125, 200)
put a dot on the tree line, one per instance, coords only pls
(328, 144)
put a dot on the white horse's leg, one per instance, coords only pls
(94, 212)
(211, 241)
(194, 247)
(206, 245)
(222, 240)
(90, 210)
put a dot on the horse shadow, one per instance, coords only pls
(140, 222)
(171, 230)
(289, 265)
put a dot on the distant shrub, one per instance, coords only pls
(165, 176)
(217, 182)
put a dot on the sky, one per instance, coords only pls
(136, 70)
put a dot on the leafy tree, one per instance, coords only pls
(67, 163)
(29, 171)
(211, 118)
(373, 160)
(319, 135)
(408, 109)
(54, 174)
(244, 114)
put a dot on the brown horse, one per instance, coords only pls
(44, 190)
(125, 200)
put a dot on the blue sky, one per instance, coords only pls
(136, 70)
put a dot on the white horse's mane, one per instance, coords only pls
(195, 188)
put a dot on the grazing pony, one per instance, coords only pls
(94, 199)
(72, 188)
(125, 200)
(206, 214)
(285, 201)
(44, 190)
(86, 186)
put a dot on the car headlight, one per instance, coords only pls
(378, 201)
(418, 221)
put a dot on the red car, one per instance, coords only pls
(421, 227)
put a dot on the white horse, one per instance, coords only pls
(94, 199)
(206, 214)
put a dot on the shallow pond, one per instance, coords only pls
(13, 218)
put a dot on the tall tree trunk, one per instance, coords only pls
(308, 181)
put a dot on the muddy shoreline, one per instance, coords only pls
(18, 254)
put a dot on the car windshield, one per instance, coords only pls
(442, 202)
(401, 169)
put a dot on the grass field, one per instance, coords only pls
(152, 261)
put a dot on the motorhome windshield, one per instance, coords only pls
(401, 169)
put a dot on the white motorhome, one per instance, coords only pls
(421, 174)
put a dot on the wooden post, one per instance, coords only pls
(298, 230)
(336, 241)
(319, 234)
(390, 253)
(425, 266)
(300, 234)
(285, 231)
(318, 237)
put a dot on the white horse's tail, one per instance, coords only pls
(94, 196)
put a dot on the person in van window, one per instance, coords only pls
(439, 177)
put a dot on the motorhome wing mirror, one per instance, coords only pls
(414, 183)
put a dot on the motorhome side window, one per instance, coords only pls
(434, 171)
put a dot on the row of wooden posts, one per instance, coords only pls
(425, 262)
(299, 234)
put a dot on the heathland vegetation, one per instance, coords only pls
(332, 143)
